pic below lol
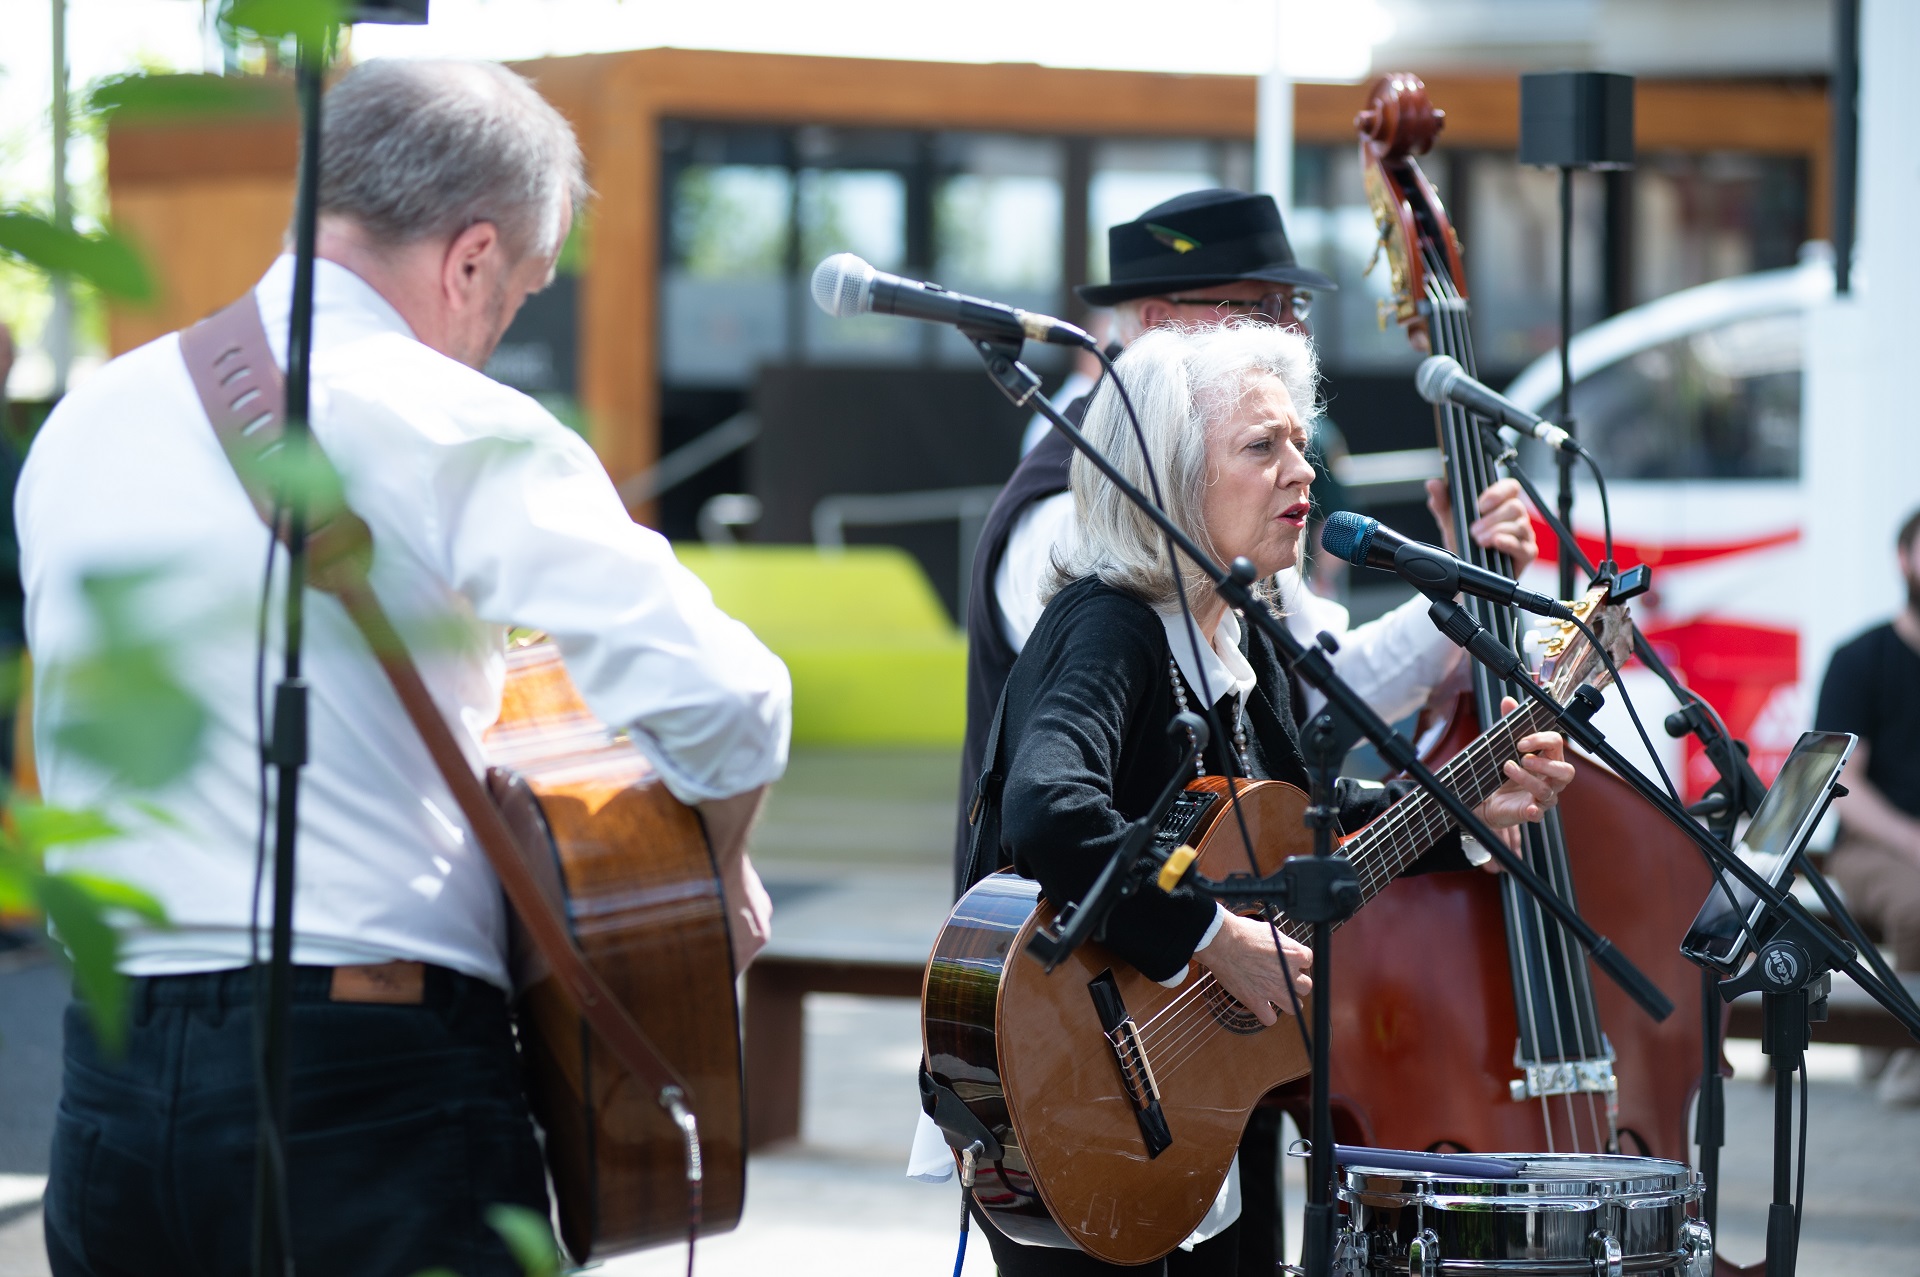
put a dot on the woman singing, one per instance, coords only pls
(1089, 701)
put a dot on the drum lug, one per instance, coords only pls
(1697, 1239)
(1349, 1253)
(1606, 1255)
(1423, 1254)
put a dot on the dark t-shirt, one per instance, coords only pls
(1872, 689)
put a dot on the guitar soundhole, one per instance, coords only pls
(1233, 1017)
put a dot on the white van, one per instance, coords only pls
(1692, 405)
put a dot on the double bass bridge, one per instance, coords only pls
(1563, 1077)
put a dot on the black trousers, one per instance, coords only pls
(408, 1124)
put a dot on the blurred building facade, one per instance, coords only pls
(722, 178)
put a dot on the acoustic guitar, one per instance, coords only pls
(1119, 1103)
(629, 868)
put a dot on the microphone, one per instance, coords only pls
(1441, 380)
(1366, 543)
(844, 285)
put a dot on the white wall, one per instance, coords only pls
(1861, 446)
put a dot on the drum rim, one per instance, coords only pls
(1674, 1176)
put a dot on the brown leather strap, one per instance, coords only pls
(244, 395)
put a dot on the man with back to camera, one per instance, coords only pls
(1872, 689)
(446, 190)
(1198, 259)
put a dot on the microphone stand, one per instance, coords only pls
(1737, 791)
(1321, 883)
(1792, 968)
(287, 748)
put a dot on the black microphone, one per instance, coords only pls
(844, 285)
(1441, 380)
(1365, 543)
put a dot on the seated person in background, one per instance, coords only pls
(1872, 689)
(1110, 662)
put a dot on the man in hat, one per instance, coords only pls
(1201, 258)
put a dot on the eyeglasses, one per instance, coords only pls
(1288, 306)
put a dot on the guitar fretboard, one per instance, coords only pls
(1383, 850)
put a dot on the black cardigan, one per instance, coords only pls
(1087, 750)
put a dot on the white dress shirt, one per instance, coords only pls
(1392, 662)
(486, 512)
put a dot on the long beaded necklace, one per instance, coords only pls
(1239, 723)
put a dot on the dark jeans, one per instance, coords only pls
(408, 1123)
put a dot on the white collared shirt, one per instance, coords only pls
(486, 512)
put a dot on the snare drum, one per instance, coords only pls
(1562, 1215)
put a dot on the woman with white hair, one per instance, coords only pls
(1086, 747)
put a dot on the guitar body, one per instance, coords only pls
(629, 867)
(1028, 1053)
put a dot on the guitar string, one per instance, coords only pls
(1173, 1043)
(1174, 1048)
(1546, 935)
(1372, 873)
(1390, 849)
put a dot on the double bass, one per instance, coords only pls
(1466, 1018)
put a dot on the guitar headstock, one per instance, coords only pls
(1571, 661)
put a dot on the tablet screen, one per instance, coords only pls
(1784, 822)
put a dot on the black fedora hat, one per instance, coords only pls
(1199, 240)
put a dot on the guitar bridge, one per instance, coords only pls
(1136, 1071)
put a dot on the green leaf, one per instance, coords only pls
(111, 894)
(127, 712)
(142, 97)
(93, 948)
(295, 470)
(107, 261)
(311, 21)
(529, 1237)
(40, 826)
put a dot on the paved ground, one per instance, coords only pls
(836, 1201)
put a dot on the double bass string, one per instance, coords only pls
(1467, 481)
(1543, 935)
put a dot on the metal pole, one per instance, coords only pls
(1565, 503)
(1846, 138)
(273, 1255)
(1273, 125)
(59, 338)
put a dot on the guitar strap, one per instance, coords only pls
(243, 393)
(983, 813)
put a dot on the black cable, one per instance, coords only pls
(1606, 658)
(271, 1146)
(1205, 693)
(1606, 511)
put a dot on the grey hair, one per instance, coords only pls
(422, 149)
(1184, 382)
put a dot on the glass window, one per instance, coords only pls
(1704, 217)
(997, 225)
(1130, 177)
(863, 212)
(1512, 251)
(725, 288)
(1721, 404)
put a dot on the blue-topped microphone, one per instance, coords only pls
(1366, 543)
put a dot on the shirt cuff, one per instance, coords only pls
(1206, 938)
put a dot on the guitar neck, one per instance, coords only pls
(1384, 849)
